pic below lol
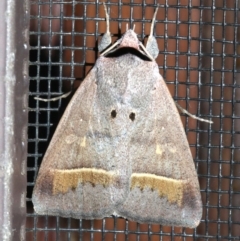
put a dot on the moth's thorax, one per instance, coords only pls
(120, 83)
(129, 39)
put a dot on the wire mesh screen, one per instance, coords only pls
(198, 58)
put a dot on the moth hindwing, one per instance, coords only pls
(120, 147)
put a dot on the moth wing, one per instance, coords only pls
(72, 179)
(164, 185)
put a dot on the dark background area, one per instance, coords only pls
(199, 60)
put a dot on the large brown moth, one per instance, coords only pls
(120, 147)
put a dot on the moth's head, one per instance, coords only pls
(128, 43)
(129, 40)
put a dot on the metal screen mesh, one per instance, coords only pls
(198, 42)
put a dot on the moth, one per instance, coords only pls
(120, 147)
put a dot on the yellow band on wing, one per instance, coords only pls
(170, 188)
(63, 180)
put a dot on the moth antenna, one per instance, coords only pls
(106, 39)
(107, 18)
(126, 27)
(191, 115)
(152, 45)
(134, 27)
(153, 22)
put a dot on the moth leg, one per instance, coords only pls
(106, 39)
(152, 46)
(184, 111)
(54, 98)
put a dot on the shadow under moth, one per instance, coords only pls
(120, 147)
